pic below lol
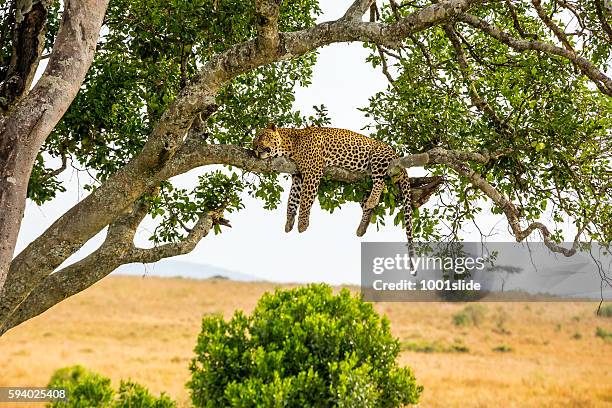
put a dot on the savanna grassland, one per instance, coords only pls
(488, 355)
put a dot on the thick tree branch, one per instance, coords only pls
(118, 249)
(267, 25)
(197, 154)
(603, 82)
(84, 273)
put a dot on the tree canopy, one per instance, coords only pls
(510, 101)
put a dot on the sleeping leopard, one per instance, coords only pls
(314, 148)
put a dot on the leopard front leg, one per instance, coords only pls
(310, 185)
(294, 201)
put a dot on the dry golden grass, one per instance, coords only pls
(145, 329)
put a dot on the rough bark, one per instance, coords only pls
(30, 19)
(23, 131)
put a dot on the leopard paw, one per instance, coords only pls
(302, 225)
(290, 222)
(365, 222)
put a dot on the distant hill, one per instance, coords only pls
(172, 268)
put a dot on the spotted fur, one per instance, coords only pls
(312, 149)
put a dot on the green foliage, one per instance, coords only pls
(42, 186)
(604, 334)
(424, 346)
(87, 389)
(502, 348)
(83, 388)
(179, 208)
(300, 347)
(133, 395)
(471, 315)
(558, 124)
(150, 51)
(605, 310)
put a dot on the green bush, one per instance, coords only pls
(302, 347)
(424, 346)
(502, 348)
(133, 395)
(88, 389)
(83, 388)
(606, 310)
(604, 334)
(471, 315)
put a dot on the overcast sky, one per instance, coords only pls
(257, 244)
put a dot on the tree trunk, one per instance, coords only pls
(26, 126)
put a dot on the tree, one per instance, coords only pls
(508, 101)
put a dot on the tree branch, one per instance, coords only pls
(516, 23)
(560, 34)
(470, 83)
(512, 214)
(267, 25)
(116, 250)
(603, 82)
(356, 11)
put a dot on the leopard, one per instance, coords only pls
(314, 148)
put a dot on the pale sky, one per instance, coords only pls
(329, 251)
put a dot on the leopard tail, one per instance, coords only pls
(403, 183)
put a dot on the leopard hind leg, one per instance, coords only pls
(294, 201)
(366, 217)
(379, 166)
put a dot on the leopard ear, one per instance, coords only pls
(272, 126)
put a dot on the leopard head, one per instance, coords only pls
(267, 143)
